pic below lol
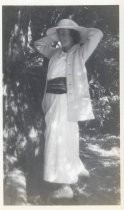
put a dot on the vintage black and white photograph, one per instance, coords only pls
(61, 115)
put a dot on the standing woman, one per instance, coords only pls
(66, 100)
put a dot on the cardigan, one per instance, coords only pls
(78, 96)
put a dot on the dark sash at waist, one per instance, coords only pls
(57, 85)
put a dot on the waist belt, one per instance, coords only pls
(57, 85)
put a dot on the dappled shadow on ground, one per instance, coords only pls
(101, 156)
(101, 188)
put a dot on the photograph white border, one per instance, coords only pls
(121, 26)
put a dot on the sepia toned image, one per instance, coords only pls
(61, 115)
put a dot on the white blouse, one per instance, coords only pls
(58, 66)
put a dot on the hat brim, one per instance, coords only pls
(53, 31)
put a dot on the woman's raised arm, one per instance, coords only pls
(44, 46)
(93, 37)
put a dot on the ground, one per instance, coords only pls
(101, 156)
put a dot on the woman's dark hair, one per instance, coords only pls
(75, 36)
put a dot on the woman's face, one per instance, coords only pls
(65, 38)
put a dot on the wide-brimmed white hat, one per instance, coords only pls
(66, 24)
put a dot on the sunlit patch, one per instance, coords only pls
(110, 163)
(14, 108)
(33, 133)
(17, 83)
(104, 189)
(104, 99)
(11, 132)
(54, 125)
(15, 127)
(29, 32)
(58, 45)
(111, 61)
(22, 141)
(52, 178)
(80, 86)
(11, 159)
(82, 191)
(25, 106)
(113, 137)
(5, 133)
(115, 151)
(37, 150)
(114, 189)
(5, 90)
(6, 105)
(115, 98)
(79, 73)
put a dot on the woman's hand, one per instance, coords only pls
(45, 46)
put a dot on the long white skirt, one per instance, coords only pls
(61, 153)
